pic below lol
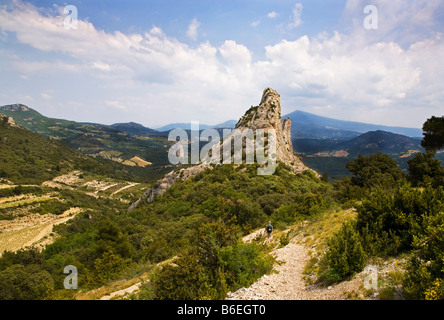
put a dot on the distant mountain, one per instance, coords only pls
(136, 129)
(27, 157)
(308, 125)
(331, 155)
(186, 126)
(110, 142)
(381, 141)
(367, 143)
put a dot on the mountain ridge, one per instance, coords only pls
(305, 122)
(98, 140)
(301, 121)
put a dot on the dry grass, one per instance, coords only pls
(20, 201)
(33, 234)
(316, 232)
(129, 163)
(140, 162)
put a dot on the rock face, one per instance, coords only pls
(10, 120)
(15, 107)
(167, 181)
(265, 116)
(268, 116)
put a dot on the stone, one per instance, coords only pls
(265, 116)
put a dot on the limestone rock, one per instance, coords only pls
(167, 181)
(268, 116)
(265, 116)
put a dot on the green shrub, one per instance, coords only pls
(345, 254)
(25, 283)
(425, 269)
(243, 264)
(187, 279)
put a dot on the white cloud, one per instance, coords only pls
(357, 75)
(272, 15)
(254, 24)
(46, 96)
(296, 16)
(115, 104)
(100, 66)
(192, 29)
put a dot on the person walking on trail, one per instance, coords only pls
(269, 229)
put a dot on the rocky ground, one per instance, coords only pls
(288, 282)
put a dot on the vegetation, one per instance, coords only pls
(29, 158)
(198, 223)
(194, 229)
(433, 134)
(397, 214)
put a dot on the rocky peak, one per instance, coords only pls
(267, 115)
(15, 107)
(8, 120)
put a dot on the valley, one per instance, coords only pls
(137, 227)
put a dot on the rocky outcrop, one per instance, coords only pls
(266, 116)
(15, 107)
(167, 181)
(9, 120)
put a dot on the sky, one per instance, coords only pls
(157, 62)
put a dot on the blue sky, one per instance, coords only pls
(159, 62)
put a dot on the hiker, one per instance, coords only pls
(269, 229)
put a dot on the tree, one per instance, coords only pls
(25, 283)
(425, 169)
(425, 269)
(433, 134)
(345, 253)
(110, 237)
(375, 170)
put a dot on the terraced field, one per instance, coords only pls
(28, 218)
(32, 230)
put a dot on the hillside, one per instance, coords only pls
(28, 157)
(308, 125)
(331, 155)
(382, 141)
(137, 129)
(198, 234)
(109, 142)
(186, 126)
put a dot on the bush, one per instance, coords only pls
(345, 254)
(25, 283)
(388, 222)
(108, 267)
(243, 264)
(217, 263)
(187, 279)
(425, 269)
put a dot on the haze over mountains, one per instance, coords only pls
(325, 144)
(308, 125)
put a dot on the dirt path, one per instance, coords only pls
(125, 187)
(288, 283)
(123, 292)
